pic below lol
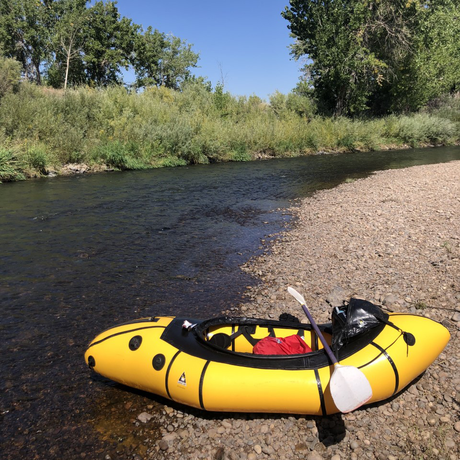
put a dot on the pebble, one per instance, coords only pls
(144, 417)
(163, 445)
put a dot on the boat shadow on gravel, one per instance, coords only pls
(331, 430)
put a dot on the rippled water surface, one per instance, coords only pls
(79, 254)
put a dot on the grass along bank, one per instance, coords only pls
(43, 130)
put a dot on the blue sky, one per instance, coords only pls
(242, 42)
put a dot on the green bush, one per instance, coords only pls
(119, 156)
(10, 75)
(10, 167)
(239, 153)
(303, 106)
(170, 162)
(38, 159)
(423, 128)
(447, 107)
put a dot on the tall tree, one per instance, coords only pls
(74, 43)
(340, 67)
(148, 50)
(25, 33)
(71, 22)
(109, 43)
(162, 60)
(365, 53)
(433, 67)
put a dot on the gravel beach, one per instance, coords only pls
(392, 238)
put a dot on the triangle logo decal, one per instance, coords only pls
(182, 380)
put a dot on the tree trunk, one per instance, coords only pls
(67, 66)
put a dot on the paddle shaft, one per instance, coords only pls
(320, 335)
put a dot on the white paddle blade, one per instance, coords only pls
(296, 295)
(349, 387)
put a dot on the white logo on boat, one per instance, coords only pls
(182, 380)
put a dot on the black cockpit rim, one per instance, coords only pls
(239, 322)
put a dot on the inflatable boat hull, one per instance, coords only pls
(160, 356)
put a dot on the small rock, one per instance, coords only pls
(170, 437)
(144, 417)
(264, 429)
(183, 434)
(432, 421)
(413, 390)
(354, 445)
(300, 447)
(267, 450)
(163, 445)
(390, 299)
(336, 297)
(449, 443)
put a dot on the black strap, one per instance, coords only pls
(244, 330)
(407, 336)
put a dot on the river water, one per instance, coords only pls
(80, 254)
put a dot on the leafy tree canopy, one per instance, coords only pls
(71, 42)
(162, 60)
(383, 55)
(24, 33)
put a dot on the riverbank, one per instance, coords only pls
(392, 238)
(46, 133)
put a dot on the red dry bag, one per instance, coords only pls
(292, 345)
